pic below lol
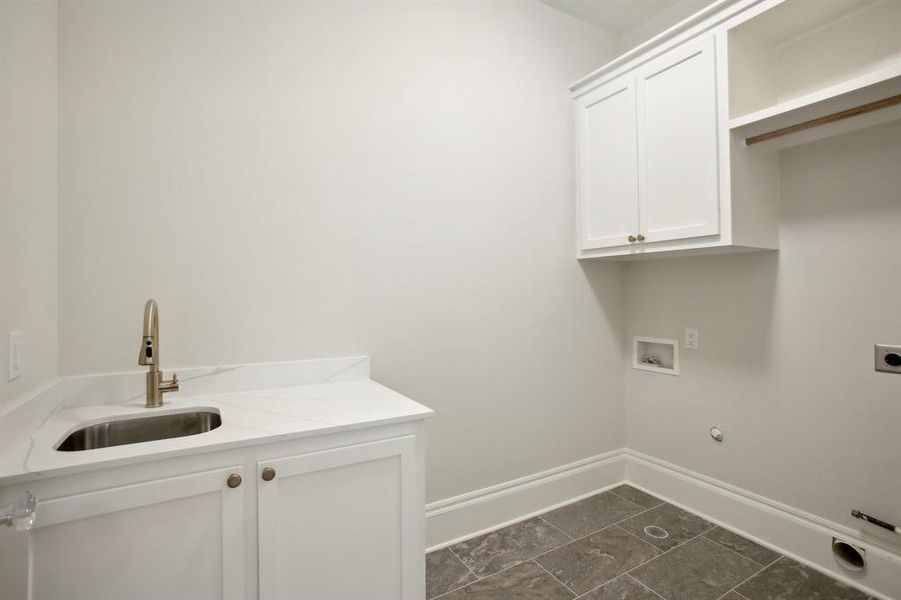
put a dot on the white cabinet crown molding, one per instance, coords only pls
(705, 19)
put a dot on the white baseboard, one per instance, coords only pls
(799, 535)
(787, 530)
(454, 519)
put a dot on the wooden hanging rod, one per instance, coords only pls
(839, 116)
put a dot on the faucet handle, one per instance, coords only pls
(171, 385)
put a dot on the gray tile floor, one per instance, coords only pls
(622, 544)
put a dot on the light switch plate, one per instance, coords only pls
(15, 355)
(692, 339)
(888, 358)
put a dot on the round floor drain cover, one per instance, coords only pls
(656, 532)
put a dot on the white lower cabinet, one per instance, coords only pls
(340, 518)
(176, 537)
(341, 524)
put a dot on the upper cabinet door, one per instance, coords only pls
(608, 165)
(677, 133)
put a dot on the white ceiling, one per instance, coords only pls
(614, 16)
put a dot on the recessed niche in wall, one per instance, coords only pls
(655, 354)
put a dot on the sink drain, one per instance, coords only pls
(656, 532)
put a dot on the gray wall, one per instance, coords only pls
(296, 180)
(785, 366)
(28, 182)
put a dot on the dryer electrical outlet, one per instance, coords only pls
(888, 358)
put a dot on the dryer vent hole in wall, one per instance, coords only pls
(849, 556)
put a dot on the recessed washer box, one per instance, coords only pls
(657, 355)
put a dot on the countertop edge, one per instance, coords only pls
(263, 439)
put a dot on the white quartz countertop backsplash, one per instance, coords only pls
(320, 397)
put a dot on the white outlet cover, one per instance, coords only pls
(692, 339)
(15, 355)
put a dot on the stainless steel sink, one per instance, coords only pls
(140, 429)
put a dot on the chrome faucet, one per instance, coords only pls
(149, 355)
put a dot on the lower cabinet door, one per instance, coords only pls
(342, 524)
(178, 537)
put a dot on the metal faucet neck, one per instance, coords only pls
(149, 355)
(151, 319)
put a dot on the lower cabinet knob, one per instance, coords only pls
(631, 238)
(268, 474)
(640, 237)
(234, 480)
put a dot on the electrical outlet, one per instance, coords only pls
(15, 355)
(888, 358)
(692, 339)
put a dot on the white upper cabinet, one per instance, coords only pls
(608, 146)
(678, 139)
(677, 144)
(647, 144)
(649, 165)
(659, 170)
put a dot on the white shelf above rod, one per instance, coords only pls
(825, 120)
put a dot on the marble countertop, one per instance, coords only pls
(249, 417)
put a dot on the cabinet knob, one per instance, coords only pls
(640, 237)
(268, 474)
(631, 238)
(234, 480)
